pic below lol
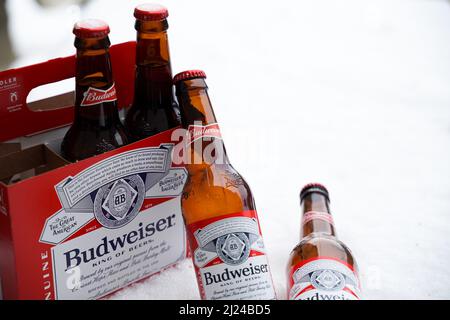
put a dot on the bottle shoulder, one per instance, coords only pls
(207, 177)
(215, 191)
(315, 245)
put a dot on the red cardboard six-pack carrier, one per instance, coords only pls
(81, 230)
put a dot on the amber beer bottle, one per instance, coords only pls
(218, 207)
(320, 267)
(154, 108)
(96, 127)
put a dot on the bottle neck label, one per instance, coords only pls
(93, 96)
(323, 278)
(311, 215)
(230, 258)
(199, 144)
(199, 132)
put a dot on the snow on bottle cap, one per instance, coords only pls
(150, 12)
(91, 28)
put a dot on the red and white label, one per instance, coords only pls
(95, 96)
(323, 278)
(311, 215)
(119, 221)
(196, 132)
(230, 259)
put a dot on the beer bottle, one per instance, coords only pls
(218, 207)
(96, 127)
(320, 267)
(154, 108)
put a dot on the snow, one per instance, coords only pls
(352, 94)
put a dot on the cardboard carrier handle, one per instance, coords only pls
(16, 117)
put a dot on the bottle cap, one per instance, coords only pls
(313, 187)
(150, 12)
(91, 28)
(189, 74)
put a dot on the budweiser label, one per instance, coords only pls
(323, 278)
(95, 96)
(230, 258)
(310, 215)
(196, 132)
(102, 261)
(120, 221)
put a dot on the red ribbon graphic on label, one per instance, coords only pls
(95, 96)
(196, 132)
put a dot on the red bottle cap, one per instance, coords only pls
(189, 74)
(91, 28)
(151, 12)
(313, 187)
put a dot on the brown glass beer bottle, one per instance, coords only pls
(96, 127)
(154, 108)
(320, 267)
(218, 207)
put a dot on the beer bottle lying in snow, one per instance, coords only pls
(154, 109)
(96, 127)
(320, 267)
(218, 207)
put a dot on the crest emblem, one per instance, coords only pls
(328, 280)
(233, 248)
(119, 202)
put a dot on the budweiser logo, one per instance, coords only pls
(75, 257)
(196, 132)
(95, 96)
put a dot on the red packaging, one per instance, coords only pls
(81, 230)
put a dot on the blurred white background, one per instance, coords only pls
(354, 94)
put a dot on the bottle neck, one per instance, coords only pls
(316, 218)
(153, 83)
(94, 79)
(204, 139)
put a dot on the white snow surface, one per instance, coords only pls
(354, 94)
